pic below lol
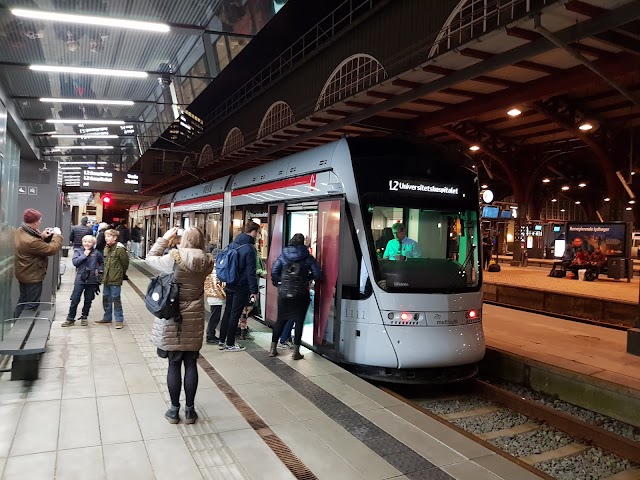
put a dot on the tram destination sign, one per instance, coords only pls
(422, 187)
(110, 180)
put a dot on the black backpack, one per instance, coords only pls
(163, 297)
(293, 282)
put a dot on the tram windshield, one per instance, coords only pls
(422, 250)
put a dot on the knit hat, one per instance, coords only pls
(84, 220)
(31, 215)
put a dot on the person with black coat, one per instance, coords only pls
(79, 232)
(293, 301)
(244, 291)
(100, 241)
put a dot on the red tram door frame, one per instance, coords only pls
(276, 230)
(326, 301)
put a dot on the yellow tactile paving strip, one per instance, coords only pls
(536, 278)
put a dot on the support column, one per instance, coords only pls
(519, 237)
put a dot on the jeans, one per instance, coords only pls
(135, 249)
(236, 301)
(30, 294)
(286, 333)
(214, 320)
(89, 294)
(111, 301)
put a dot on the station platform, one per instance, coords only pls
(97, 409)
(607, 301)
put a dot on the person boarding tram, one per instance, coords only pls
(291, 273)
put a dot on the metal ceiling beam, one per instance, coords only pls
(607, 165)
(533, 90)
(582, 59)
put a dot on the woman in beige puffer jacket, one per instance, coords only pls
(181, 342)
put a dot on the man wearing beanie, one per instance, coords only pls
(78, 232)
(31, 262)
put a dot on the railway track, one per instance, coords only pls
(548, 442)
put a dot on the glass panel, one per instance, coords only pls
(420, 250)
(9, 176)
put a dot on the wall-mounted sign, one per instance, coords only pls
(112, 181)
(413, 186)
(609, 238)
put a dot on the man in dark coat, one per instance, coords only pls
(293, 305)
(78, 232)
(244, 291)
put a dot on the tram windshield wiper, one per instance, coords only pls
(462, 268)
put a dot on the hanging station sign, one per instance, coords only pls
(113, 181)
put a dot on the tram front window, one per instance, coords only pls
(420, 250)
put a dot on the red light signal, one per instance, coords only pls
(106, 199)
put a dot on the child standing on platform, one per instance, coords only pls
(89, 264)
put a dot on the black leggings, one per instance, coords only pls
(174, 378)
(290, 310)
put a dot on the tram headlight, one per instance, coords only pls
(405, 317)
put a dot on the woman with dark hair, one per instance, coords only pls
(180, 341)
(291, 273)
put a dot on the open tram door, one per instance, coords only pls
(319, 222)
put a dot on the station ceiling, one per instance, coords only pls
(573, 65)
(31, 36)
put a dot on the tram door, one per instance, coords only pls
(319, 223)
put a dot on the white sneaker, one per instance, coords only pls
(222, 345)
(235, 348)
(283, 345)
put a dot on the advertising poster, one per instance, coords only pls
(609, 238)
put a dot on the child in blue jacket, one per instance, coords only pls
(89, 264)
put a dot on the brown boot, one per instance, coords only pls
(296, 353)
(273, 351)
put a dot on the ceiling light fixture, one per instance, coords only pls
(91, 20)
(484, 186)
(514, 112)
(565, 188)
(578, 202)
(554, 200)
(586, 126)
(628, 208)
(86, 122)
(546, 180)
(64, 135)
(91, 101)
(474, 148)
(582, 185)
(607, 199)
(88, 71)
(562, 210)
(631, 202)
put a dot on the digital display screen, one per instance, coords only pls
(112, 181)
(506, 214)
(489, 211)
(422, 187)
(537, 227)
(556, 228)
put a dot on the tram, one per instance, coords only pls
(413, 318)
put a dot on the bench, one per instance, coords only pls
(27, 340)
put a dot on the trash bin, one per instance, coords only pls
(65, 251)
(615, 267)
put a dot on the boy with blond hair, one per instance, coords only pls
(89, 264)
(116, 262)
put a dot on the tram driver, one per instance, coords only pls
(401, 247)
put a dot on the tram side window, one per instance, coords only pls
(213, 230)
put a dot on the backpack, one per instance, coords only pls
(293, 281)
(228, 264)
(494, 267)
(163, 296)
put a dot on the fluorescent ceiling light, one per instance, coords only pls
(71, 168)
(86, 122)
(86, 147)
(92, 101)
(90, 20)
(64, 135)
(88, 71)
(78, 163)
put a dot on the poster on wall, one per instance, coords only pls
(609, 238)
